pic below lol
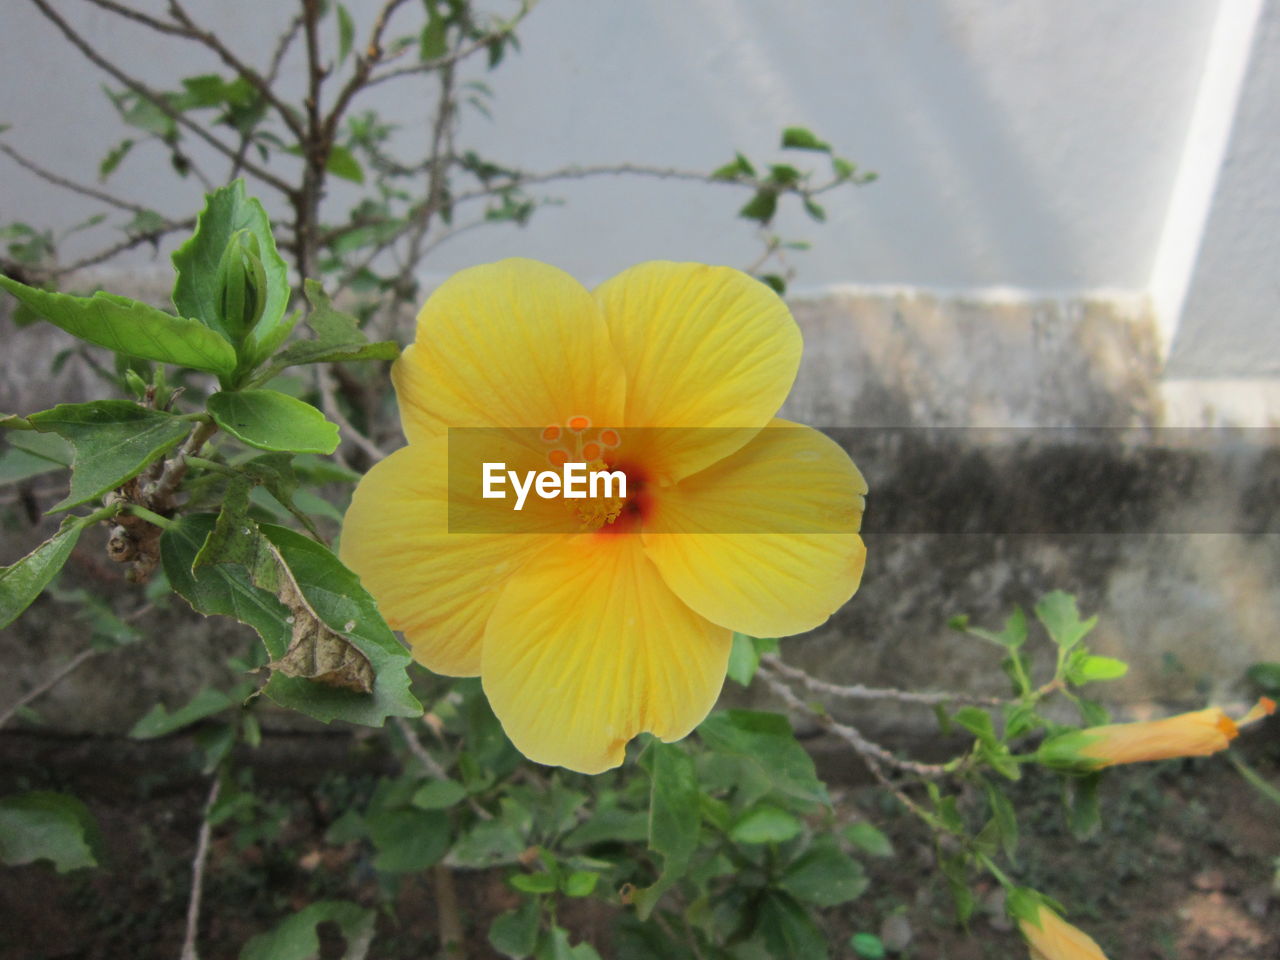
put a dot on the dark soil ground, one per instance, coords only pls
(1186, 866)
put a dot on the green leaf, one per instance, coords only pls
(978, 722)
(739, 167)
(432, 45)
(1012, 637)
(799, 138)
(198, 290)
(22, 581)
(130, 327)
(824, 875)
(343, 163)
(330, 589)
(581, 883)
(408, 840)
(541, 882)
(815, 210)
(295, 937)
(674, 817)
(1005, 817)
(788, 931)
(955, 870)
(20, 461)
(114, 441)
(338, 336)
(1090, 668)
(439, 795)
(270, 420)
(346, 33)
(868, 946)
(43, 825)
(489, 843)
(515, 933)
(765, 824)
(866, 837)
(1058, 612)
(159, 722)
(745, 654)
(762, 206)
(1084, 814)
(113, 158)
(842, 168)
(1266, 676)
(768, 743)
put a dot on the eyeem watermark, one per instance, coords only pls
(574, 482)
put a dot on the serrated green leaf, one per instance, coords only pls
(197, 290)
(768, 743)
(489, 843)
(1058, 612)
(130, 327)
(800, 138)
(113, 440)
(43, 825)
(674, 817)
(22, 581)
(515, 933)
(338, 337)
(159, 722)
(331, 590)
(295, 937)
(868, 838)
(270, 420)
(824, 875)
(978, 722)
(1013, 636)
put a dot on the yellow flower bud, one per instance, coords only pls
(1052, 938)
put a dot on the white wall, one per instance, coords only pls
(1032, 145)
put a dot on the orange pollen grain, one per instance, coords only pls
(591, 451)
(552, 433)
(578, 424)
(558, 458)
(609, 438)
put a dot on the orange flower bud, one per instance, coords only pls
(1195, 734)
(1052, 938)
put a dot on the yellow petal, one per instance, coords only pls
(587, 648)
(765, 541)
(1055, 939)
(510, 344)
(1195, 734)
(437, 587)
(702, 347)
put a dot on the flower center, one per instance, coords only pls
(576, 441)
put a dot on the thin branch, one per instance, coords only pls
(328, 387)
(869, 751)
(197, 874)
(360, 77)
(857, 691)
(60, 181)
(137, 240)
(273, 72)
(456, 56)
(48, 684)
(155, 98)
(159, 493)
(431, 764)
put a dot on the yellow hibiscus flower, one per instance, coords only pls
(604, 618)
(1196, 734)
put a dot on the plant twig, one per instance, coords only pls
(431, 764)
(159, 493)
(137, 240)
(60, 181)
(857, 691)
(327, 385)
(869, 751)
(157, 99)
(197, 874)
(47, 684)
